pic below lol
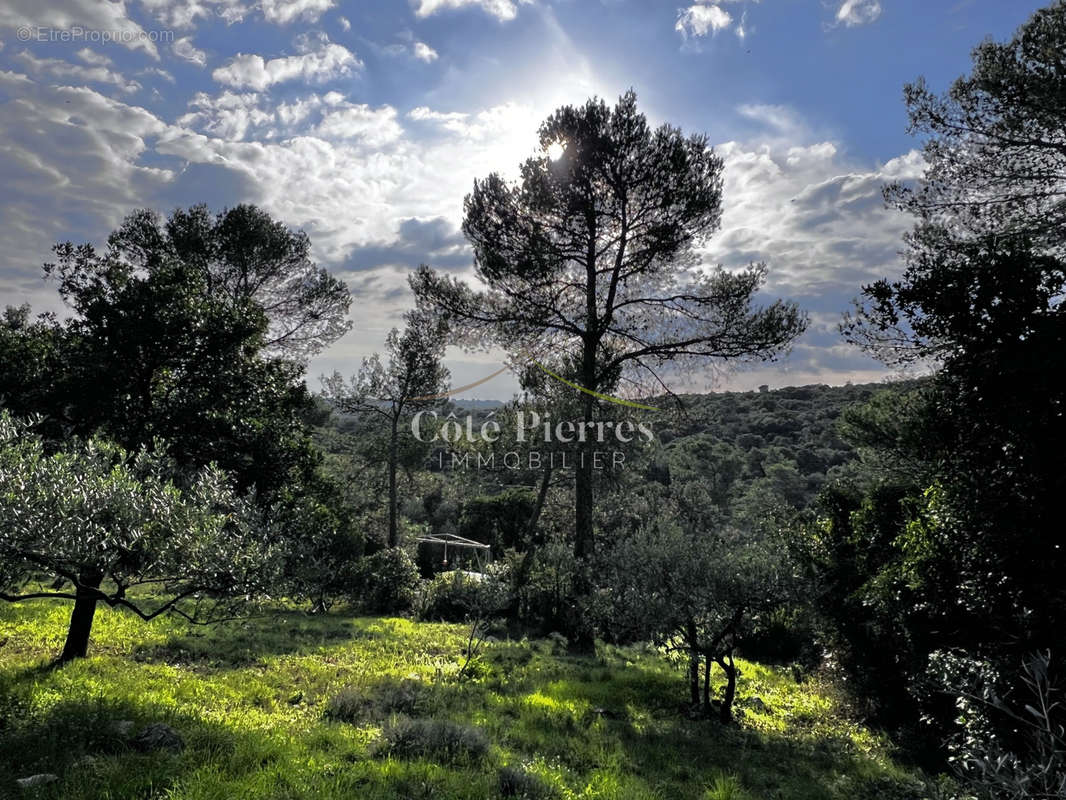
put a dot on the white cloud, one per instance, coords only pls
(70, 171)
(454, 121)
(187, 13)
(92, 58)
(781, 120)
(503, 10)
(227, 116)
(858, 12)
(159, 73)
(423, 52)
(701, 19)
(374, 127)
(252, 71)
(57, 68)
(75, 161)
(184, 48)
(282, 12)
(344, 23)
(91, 15)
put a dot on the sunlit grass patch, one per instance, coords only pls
(294, 706)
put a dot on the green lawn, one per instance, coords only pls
(293, 706)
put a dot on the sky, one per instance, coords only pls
(366, 123)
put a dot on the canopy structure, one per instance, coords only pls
(481, 553)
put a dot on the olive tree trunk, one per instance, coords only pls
(81, 618)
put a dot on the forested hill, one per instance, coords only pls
(788, 438)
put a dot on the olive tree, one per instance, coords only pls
(696, 584)
(109, 526)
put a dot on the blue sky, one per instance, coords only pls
(365, 124)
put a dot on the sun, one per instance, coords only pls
(555, 151)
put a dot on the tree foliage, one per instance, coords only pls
(695, 582)
(594, 259)
(982, 298)
(412, 378)
(111, 524)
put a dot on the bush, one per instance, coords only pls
(1011, 742)
(385, 582)
(458, 597)
(516, 782)
(441, 740)
(783, 636)
(378, 703)
(451, 597)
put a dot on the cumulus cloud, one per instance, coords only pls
(228, 116)
(92, 58)
(815, 217)
(249, 70)
(858, 12)
(344, 23)
(503, 10)
(91, 15)
(373, 126)
(184, 49)
(700, 20)
(423, 52)
(64, 70)
(282, 12)
(70, 171)
(186, 13)
(157, 72)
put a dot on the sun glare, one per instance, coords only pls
(555, 151)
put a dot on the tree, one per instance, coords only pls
(695, 583)
(1029, 762)
(413, 378)
(996, 149)
(178, 307)
(111, 522)
(981, 297)
(248, 255)
(592, 257)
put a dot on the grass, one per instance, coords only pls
(294, 707)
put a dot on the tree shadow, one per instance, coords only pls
(638, 711)
(237, 644)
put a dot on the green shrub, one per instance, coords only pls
(439, 740)
(516, 782)
(457, 597)
(379, 702)
(385, 582)
(725, 787)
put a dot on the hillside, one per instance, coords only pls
(292, 706)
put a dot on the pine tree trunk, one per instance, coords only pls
(81, 618)
(394, 535)
(584, 544)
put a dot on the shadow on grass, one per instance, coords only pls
(83, 743)
(626, 721)
(87, 744)
(239, 643)
(614, 725)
